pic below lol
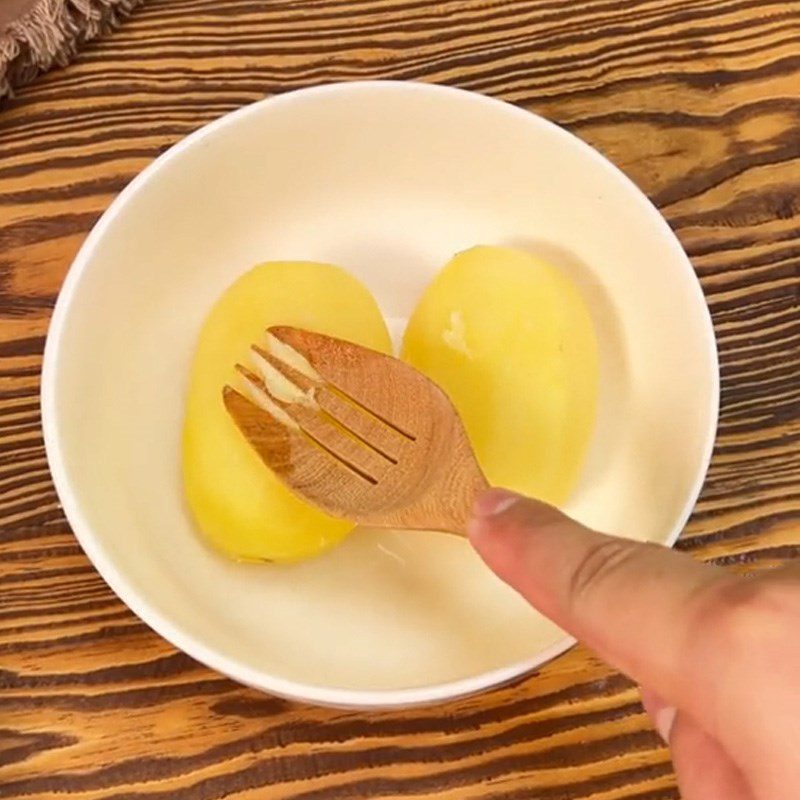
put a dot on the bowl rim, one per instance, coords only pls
(162, 624)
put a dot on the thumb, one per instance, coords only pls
(635, 604)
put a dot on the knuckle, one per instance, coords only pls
(602, 561)
(745, 616)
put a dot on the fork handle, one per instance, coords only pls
(456, 509)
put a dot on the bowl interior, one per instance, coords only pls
(389, 181)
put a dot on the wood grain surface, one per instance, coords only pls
(697, 100)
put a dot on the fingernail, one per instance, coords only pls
(488, 505)
(663, 720)
(494, 502)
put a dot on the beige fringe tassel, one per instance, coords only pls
(50, 33)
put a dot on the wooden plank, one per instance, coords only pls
(696, 100)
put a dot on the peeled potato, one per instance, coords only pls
(238, 504)
(510, 339)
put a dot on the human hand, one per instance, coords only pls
(717, 655)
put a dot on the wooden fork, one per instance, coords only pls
(355, 432)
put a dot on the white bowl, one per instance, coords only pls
(388, 180)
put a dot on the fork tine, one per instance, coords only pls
(303, 382)
(262, 398)
(277, 443)
(375, 434)
(321, 428)
(382, 438)
(291, 455)
(335, 361)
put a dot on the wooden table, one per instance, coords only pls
(697, 100)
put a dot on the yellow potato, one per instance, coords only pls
(237, 502)
(509, 338)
